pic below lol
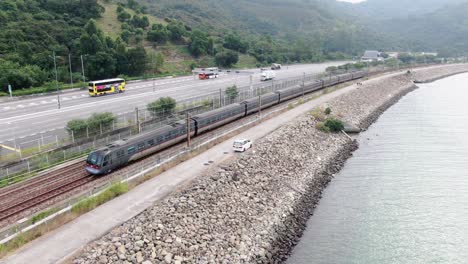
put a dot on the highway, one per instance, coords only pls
(31, 119)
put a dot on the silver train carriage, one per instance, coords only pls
(121, 152)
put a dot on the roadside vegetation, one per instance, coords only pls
(161, 107)
(90, 203)
(231, 93)
(79, 128)
(326, 122)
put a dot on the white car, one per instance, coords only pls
(242, 145)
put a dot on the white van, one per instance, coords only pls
(242, 145)
(267, 75)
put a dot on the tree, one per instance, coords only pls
(176, 30)
(234, 42)
(162, 106)
(136, 59)
(126, 35)
(139, 22)
(132, 4)
(226, 58)
(101, 65)
(231, 93)
(123, 16)
(158, 33)
(198, 43)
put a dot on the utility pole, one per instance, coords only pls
(303, 85)
(56, 82)
(82, 68)
(188, 129)
(220, 97)
(152, 61)
(251, 86)
(259, 106)
(71, 74)
(137, 120)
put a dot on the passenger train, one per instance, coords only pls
(121, 152)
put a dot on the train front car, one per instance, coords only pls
(94, 163)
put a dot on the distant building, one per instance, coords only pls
(371, 55)
(429, 54)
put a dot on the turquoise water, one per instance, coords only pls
(403, 196)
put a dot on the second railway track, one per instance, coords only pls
(41, 189)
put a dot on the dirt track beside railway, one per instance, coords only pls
(253, 209)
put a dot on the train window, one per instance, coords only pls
(106, 160)
(120, 153)
(131, 150)
(141, 146)
(151, 142)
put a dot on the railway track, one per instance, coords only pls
(21, 197)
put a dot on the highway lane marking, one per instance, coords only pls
(120, 99)
(9, 148)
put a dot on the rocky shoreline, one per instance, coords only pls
(253, 209)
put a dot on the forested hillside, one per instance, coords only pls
(325, 30)
(32, 31)
(138, 38)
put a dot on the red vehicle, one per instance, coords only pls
(205, 76)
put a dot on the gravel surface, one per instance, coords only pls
(252, 209)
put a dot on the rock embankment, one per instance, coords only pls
(437, 73)
(254, 209)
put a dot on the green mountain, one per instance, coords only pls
(327, 28)
(444, 30)
(389, 9)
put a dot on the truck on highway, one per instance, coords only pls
(267, 75)
(276, 66)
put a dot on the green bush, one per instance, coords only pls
(164, 105)
(78, 127)
(92, 124)
(232, 92)
(98, 120)
(334, 125)
(328, 111)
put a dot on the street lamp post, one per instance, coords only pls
(71, 73)
(56, 82)
(82, 68)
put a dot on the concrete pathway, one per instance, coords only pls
(67, 240)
